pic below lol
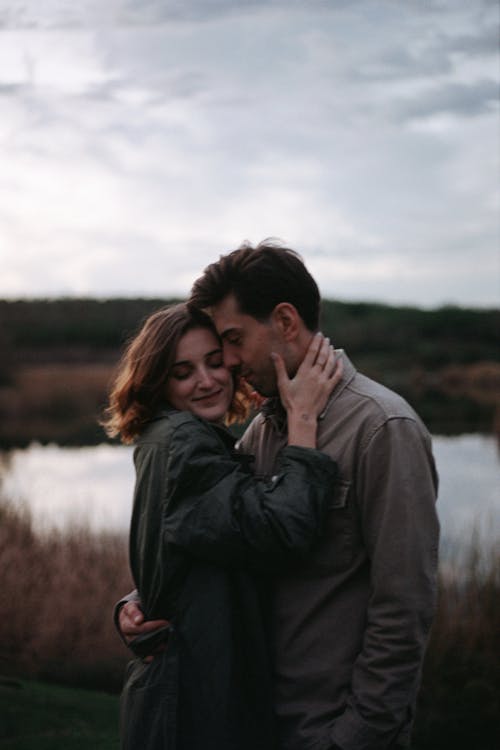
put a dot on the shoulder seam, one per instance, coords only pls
(385, 413)
(376, 428)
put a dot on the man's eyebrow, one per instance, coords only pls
(229, 332)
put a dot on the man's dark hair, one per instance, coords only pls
(260, 278)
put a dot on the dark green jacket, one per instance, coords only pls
(203, 533)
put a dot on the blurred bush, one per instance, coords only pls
(56, 598)
(459, 701)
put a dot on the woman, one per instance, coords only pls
(204, 531)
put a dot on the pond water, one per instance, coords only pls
(93, 486)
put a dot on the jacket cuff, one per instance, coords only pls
(132, 597)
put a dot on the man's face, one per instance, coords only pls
(247, 344)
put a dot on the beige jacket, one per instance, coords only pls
(350, 626)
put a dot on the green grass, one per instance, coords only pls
(48, 717)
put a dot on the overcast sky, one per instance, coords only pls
(140, 139)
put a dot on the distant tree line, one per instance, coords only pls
(411, 336)
(406, 336)
(73, 322)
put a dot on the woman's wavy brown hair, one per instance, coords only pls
(139, 385)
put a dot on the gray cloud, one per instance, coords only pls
(484, 41)
(12, 89)
(30, 14)
(141, 137)
(95, 14)
(436, 51)
(467, 100)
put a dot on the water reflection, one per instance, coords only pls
(93, 486)
(90, 486)
(469, 478)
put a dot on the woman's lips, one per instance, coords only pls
(209, 396)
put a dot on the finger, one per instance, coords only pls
(132, 622)
(132, 631)
(323, 353)
(134, 612)
(313, 349)
(129, 629)
(279, 366)
(126, 619)
(337, 372)
(149, 625)
(331, 361)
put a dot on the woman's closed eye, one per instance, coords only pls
(215, 360)
(181, 372)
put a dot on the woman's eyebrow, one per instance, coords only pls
(189, 362)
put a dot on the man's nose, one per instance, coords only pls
(230, 357)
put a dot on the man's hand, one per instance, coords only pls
(132, 623)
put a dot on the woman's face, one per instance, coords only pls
(198, 381)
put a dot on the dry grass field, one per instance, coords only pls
(56, 599)
(58, 592)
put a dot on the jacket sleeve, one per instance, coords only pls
(217, 510)
(193, 496)
(133, 596)
(397, 490)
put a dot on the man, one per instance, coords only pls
(349, 627)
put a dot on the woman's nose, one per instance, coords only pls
(205, 378)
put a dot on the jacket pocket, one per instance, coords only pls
(336, 547)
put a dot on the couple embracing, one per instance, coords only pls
(290, 579)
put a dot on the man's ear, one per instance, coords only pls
(288, 321)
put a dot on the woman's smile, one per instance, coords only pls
(209, 396)
(198, 381)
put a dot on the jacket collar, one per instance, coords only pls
(165, 410)
(273, 410)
